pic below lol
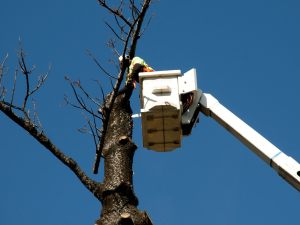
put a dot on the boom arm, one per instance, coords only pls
(286, 166)
(164, 121)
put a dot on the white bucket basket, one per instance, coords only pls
(161, 108)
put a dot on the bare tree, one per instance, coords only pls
(111, 127)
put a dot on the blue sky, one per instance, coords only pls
(247, 55)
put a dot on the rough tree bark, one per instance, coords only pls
(118, 199)
(113, 142)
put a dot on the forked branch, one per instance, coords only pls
(32, 125)
(133, 36)
(90, 184)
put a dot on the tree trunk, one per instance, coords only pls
(119, 203)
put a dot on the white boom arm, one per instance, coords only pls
(286, 166)
(164, 122)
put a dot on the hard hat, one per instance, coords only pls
(121, 57)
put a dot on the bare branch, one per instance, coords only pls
(111, 44)
(121, 5)
(2, 88)
(121, 27)
(132, 7)
(14, 87)
(67, 102)
(2, 93)
(134, 10)
(90, 184)
(102, 92)
(115, 12)
(83, 129)
(93, 130)
(26, 73)
(88, 96)
(139, 22)
(96, 128)
(78, 97)
(108, 108)
(2, 68)
(8, 104)
(92, 127)
(115, 33)
(109, 104)
(82, 104)
(36, 119)
(111, 84)
(98, 64)
(128, 35)
(147, 25)
(41, 81)
(28, 92)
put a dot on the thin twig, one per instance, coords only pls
(14, 87)
(26, 73)
(93, 133)
(41, 81)
(87, 95)
(121, 5)
(98, 64)
(102, 91)
(111, 44)
(138, 23)
(147, 25)
(115, 12)
(122, 30)
(36, 119)
(93, 186)
(79, 99)
(134, 10)
(96, 128)
(3, 93)
(115, 33)
(12, 106)
(2, 68)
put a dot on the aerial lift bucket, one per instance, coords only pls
(163, 119)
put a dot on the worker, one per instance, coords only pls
(135, 66)
(187, 100)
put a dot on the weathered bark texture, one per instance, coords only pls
(119, 203)
(114, 141)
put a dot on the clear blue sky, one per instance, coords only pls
(247, 54)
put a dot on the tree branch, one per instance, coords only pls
(90, 184)
(116, 193)
(136, 34)
(14, 88)
(109, 104)
(26, 73)
(121, 27)
(81, 102)
(2, 69)
(107, 110)
(114, 32)
(41, 81)
(115, 12)
(98, 64)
